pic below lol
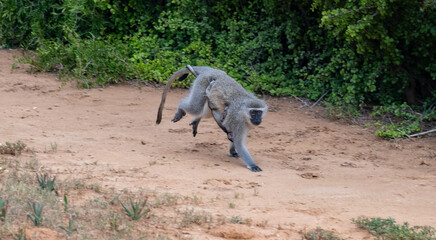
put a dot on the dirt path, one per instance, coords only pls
(316, 172)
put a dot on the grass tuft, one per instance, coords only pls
(46, 182)
(65, 203)
(36, 215)
(320, 234)
(239, 220)
(136, 210)
(12, 148)
(70, 229)
(191, 217)
(3, 209)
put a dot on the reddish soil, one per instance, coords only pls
(316, 172)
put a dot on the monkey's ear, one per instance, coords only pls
(183, 77)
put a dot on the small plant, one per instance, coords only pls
(95, 187)
(238, 195)
(239, 220)
(196, 200)
(70, 229)
(256, 191)
(137, 209)
(36, 215)
(54, 147)
(22, 235)
(92, 163)
(114, 221)
(190, 217)
(232, 205)
(320, 234)
(166, 199)
(170, 199)
(12, 148)
(46, 182)
(66, 206)
(387, 229)
(263, 224)
(32, 164)
(3, 209)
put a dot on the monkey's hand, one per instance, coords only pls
(254, 168)
(229, 136)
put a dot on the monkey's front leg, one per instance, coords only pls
(242, 151)
(233, 152)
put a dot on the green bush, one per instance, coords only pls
(92, 62)
(401, 120)
(388, 229)
(28, 23)
(358, 52)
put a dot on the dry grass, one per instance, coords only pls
(80, 209)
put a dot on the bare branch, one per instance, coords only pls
(405, 134)
(301, 100)
(422, 133)
(317, 101)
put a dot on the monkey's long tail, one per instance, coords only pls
(181, 74)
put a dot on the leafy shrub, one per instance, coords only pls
(29, 23)
(12, 148)
(400, 120)
(92, 62)
(388, 229)
(378, 52)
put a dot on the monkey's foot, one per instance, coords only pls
(255, 168)
(194, 125)
(179, 115)
(233, 153)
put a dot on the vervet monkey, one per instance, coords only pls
(215, 93)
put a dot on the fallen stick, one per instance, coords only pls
(405, 134)
(422, 133)
(301, 100)
(317, 101)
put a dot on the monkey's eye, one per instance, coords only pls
(252, 112)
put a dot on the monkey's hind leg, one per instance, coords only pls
(179, 115)
(194, 125)
(193, 104)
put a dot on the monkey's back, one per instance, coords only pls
(226, 91)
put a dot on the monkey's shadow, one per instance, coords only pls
(215, 153)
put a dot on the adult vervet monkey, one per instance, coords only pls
(215, 93)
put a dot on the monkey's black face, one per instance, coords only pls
(256, 117)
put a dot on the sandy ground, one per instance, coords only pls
(316, 172)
